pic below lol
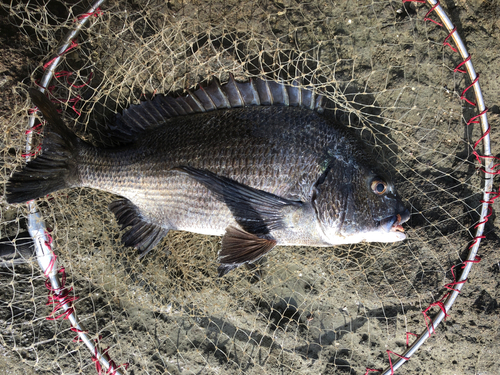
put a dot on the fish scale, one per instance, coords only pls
(264, 167)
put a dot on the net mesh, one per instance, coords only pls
(313, 310)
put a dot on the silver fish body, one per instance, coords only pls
(258, 175)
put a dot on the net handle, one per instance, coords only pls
(489, 173)
(47, 260)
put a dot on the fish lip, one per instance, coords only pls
(393, 223)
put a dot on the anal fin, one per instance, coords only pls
(240, 247)
(142, 235)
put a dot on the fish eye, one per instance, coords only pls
(378, 186)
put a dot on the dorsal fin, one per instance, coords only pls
(151, 114)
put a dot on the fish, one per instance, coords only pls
(260, 163)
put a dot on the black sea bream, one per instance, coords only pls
(258, 163)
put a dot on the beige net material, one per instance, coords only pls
(313, 310)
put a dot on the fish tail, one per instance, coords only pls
(55, 168)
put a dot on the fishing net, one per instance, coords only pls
(349, 309)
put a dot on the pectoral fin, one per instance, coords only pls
(240, 247)
(256, 211)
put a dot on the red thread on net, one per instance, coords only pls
(487, 216)
(496, 195)
(65, 73)
(475, 240)
(53, 258)
(485, 134)
(439, 304)
(112, 365)
(476, 259)
(62, 73)
(71, 100)
(77, 338)
(96, 13)
(368, 370)
(489, 202)
(465, 91)
(457, 69)
(449, 286)
(70, 47)
(493, 167)
(430, 19)
(389, 352)
(94, 358)
(31, 154)
(478, 156)
(49, 241)
(37, 129)
(60, 297)
(473, 120)
(426, 18)
(74, 100)
(445, 42)
(408, 334)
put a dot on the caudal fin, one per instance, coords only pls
(55, 167)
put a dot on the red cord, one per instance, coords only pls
(72, 45)
(430, 19)
(96, 13)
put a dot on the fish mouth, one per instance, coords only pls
(393, 223)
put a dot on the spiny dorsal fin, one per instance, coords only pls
(233, 94)
(143, 235)
(240, 247)
(256, 91)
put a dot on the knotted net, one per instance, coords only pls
(314, 310)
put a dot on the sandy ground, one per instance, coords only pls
(313, 311)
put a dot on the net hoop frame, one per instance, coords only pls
(488, 168)
(47, 259)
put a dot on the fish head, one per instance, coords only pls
(355, 204)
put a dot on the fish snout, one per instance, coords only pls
(393, 223)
